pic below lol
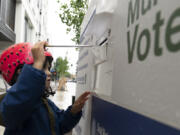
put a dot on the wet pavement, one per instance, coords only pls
(62, 98)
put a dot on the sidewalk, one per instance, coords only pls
(62, 98)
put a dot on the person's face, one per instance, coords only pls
(48, 74)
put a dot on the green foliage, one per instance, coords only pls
(61, 67)
(67, 74)
(72, 14)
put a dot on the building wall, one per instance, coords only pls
(30, 23)
(31, 15)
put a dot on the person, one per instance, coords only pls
(25, 109)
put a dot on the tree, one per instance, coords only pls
(72, 14)
(61, 67)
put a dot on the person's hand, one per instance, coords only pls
(38, 54)
(79, 103)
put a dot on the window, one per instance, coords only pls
(27, 31)
(0, 7)
(38, 2)
(10, 13)
(7, 20)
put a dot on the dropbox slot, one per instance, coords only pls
(104, 38)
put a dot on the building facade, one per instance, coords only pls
(30, 20)
(22, 21)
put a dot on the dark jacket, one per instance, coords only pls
(24, 112)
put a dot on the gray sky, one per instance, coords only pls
(58, 36)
